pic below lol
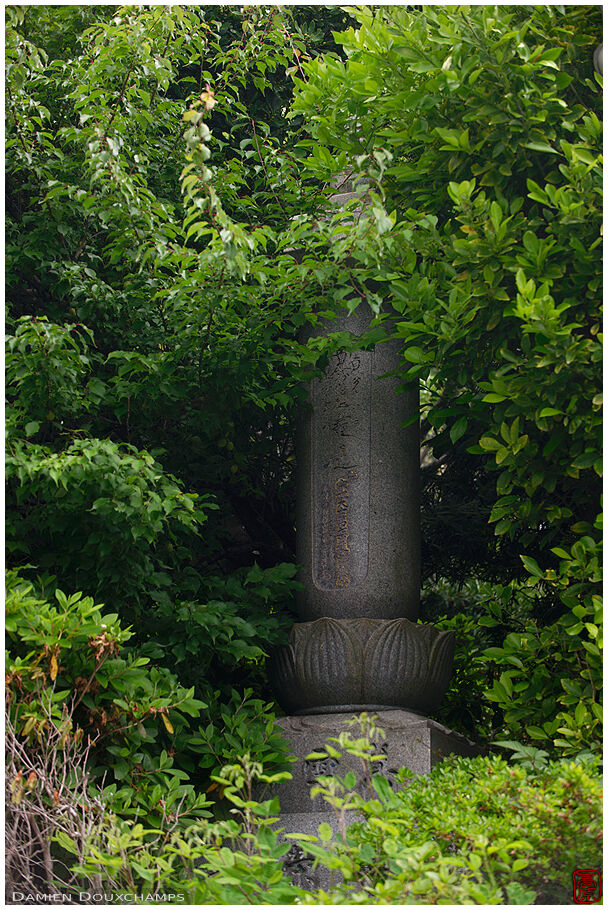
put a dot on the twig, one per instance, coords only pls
(100, 664)
(263, 163)
(153, 95)
(118, 102)
(15, 118)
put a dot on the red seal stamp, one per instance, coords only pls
(587, 886)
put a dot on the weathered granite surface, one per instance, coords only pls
(411, 741)
(358, 487)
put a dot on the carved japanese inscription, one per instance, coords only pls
(299, 866)
(319, 767)
(341, 454)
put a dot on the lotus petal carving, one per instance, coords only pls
(335, 665)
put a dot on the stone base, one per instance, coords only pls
(349, 710)
(298, 864)
(411, 741)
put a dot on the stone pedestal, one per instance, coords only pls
(411, 740)
(336, 665)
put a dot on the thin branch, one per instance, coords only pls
(263, 163)
(153, 95)
(119, 101)
(89, 681)
(15, 118)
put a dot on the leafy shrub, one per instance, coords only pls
(78, 659)
(47, 366)
(518, 676)
(227, 625)
(242, 725)
(473, 831)
(464, 707)
(102, 510)
(85, 709)
(550, 689)
(482, 135)
(482, 614)
(237, 860)
(69, 666)
(100, 744)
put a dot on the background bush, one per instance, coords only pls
(491, 251)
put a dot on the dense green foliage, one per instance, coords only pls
(152, 366)
(73, 654)
(169, 234)
(474, 831)
(492, 255)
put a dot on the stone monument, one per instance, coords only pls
(357, 646)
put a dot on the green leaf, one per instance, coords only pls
(536, 192)
(494, 653)
(66, 842)
(474, 861)
(415, 355)
(452, 137)
(580, 714)
(540, 147)
(382, 787)
(325, 832)
(532, 566)
(536, 732)
(458, 429)
(488, 442)
(505, 681)
(496, 215)
(350, 780)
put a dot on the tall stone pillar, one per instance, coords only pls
(358, 499)
(357, 646)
